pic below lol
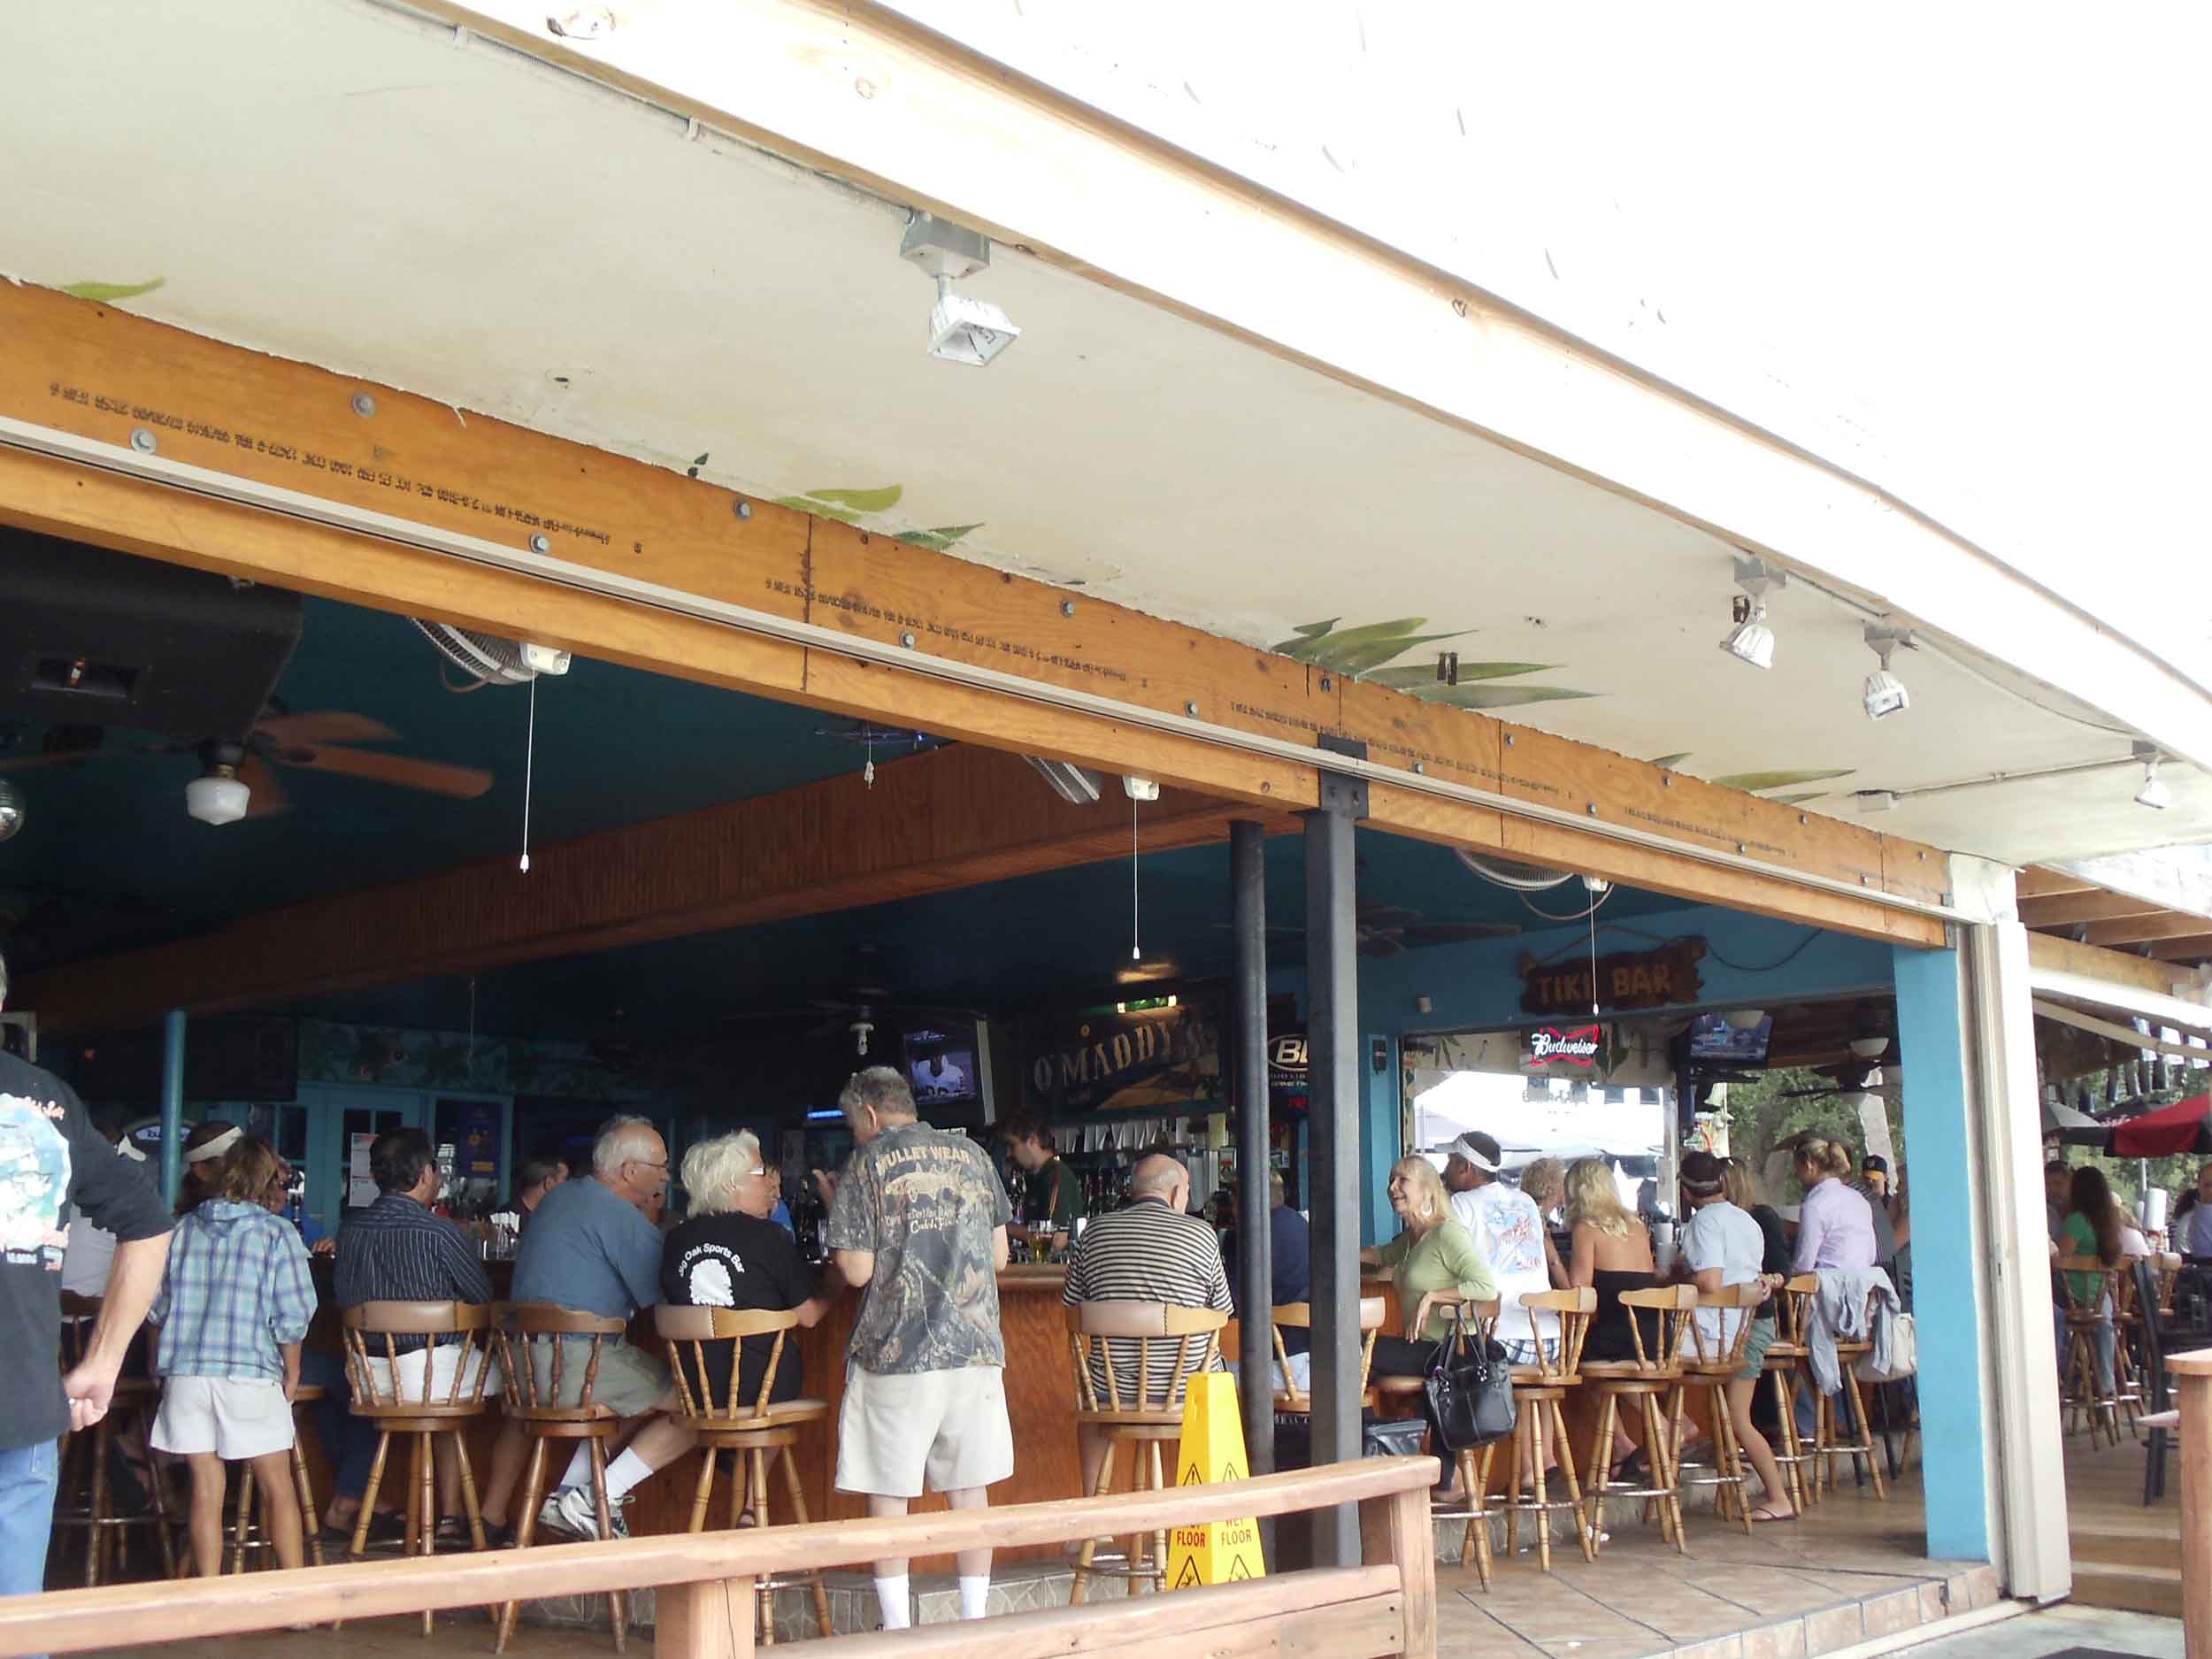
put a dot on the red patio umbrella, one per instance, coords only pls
(2182, 1127)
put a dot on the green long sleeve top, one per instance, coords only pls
(1442, 1258)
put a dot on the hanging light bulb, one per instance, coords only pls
(2155, 793)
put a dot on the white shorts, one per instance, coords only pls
(948, 1424)
(447, 1362)
(233, 1418)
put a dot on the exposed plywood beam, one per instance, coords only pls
(2195, 947)
(2048, 952)
(2041, 882)
(2068, 908)
(2139, 929)
(2105, 1028)
(97, 374)
(933, 822)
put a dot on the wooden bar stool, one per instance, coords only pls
(1539, 1425)
(1132, 1362)
(1473, 1462)
(2086, 1314)
(1298, 1315)
(87, 1453)
(1711, 1364)
(1828, 1440)
(758, 1430)
(1645, 1383)
(540, 1348)
(1793, 1313)
(247, 1535)
(441, 1401)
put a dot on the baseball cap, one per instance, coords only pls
(1874, 1163)
(1479, 1149)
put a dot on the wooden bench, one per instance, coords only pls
(1385, 1605)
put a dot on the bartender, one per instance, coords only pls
(1052, 1198)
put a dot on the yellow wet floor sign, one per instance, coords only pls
(1212, 1449)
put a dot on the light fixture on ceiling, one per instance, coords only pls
(1743, 1018)
(10, 810)
(1875, 799)
(1078, 785)
(1140, 788)
(2154, 794)
(961, 329)
(1751, 639)
(1870, 1047)
(1886, 693)
(217, 796)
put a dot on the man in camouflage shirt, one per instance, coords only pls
(917, 1220)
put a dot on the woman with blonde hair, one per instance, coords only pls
(1435, 1264)
(1546, 1182)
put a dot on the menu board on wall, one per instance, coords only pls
(1148, 1059)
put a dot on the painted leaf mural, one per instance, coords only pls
(1366, 653)
(939, 540)
(1355, 651)
(1497, 696)
(1754, 782)
(1416, 679)
(861, 500)
(109, 291)
(852, 506)
(1671, 763)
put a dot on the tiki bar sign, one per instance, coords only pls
(1642, 979)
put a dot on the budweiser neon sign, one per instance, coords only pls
(1578, 1046)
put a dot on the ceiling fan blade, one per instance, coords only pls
(1380, 943)
(433, 776)
(269, 798)
(329, 725)
(1457, 933)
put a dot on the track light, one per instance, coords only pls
(961, 329)
(1751, 639)
(1886, 693)
(2154, 794)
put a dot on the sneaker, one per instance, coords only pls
(574, 1511)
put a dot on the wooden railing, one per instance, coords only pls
(2191, 1376)
(705, 1580)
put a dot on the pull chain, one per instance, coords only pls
(529, 767)
(868, 771)
(1135, 952)
(1594, 962)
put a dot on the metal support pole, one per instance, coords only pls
(171, 1102)
(1333, 1115)
(1255, 1267)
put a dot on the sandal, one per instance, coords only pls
(1767, 1512)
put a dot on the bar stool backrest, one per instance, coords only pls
(2116, 1286)
(1120, 1346)
(374, 1325)
(78, 1315)
(528, 1329)
(689, 1332)
(1674, 1304)
(1298, 1315)
(1793, 1311)
(1725, 1351)
(1575, 1308)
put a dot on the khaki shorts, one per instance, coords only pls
(948, 1424)
(629, 1383)
(408, 1389)
(234, 1418)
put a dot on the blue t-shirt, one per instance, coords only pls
(1290, 1267)
(590, 1250)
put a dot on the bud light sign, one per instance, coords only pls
(1548, 1046)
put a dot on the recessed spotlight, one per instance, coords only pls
(1751, 639)
(1886, 693)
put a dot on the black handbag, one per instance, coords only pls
(1469, 1388)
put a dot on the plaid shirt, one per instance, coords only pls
(238, 1289)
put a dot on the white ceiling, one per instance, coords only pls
(339, 183)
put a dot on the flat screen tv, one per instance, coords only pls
(943, 1064)
(1713, 1038)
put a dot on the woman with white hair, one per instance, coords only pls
(728, 1252)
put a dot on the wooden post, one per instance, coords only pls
(1398, 1530)
(2192, 1377)
(710, 1620)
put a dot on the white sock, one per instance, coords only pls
(975, 1595)
(625, 1472)
(891, 1596)
(579, 1467)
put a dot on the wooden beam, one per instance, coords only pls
(2136, 930)
(101, 374)
(948, 818)
(2195, 947)
(2040, 882)
(2066, 956)
(2067, 907)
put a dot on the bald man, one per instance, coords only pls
(1153, 1251)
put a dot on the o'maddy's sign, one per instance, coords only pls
(1640, 978)
(1156, 1057)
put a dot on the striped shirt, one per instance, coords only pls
(1148, 1252)
(237, 1288)
(395, 1250)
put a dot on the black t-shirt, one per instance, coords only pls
(1051, 1194)
(52, 1163)
(738, 1261)
(1775, 1254)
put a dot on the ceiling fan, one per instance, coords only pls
(1391, 930)
(236, 780)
